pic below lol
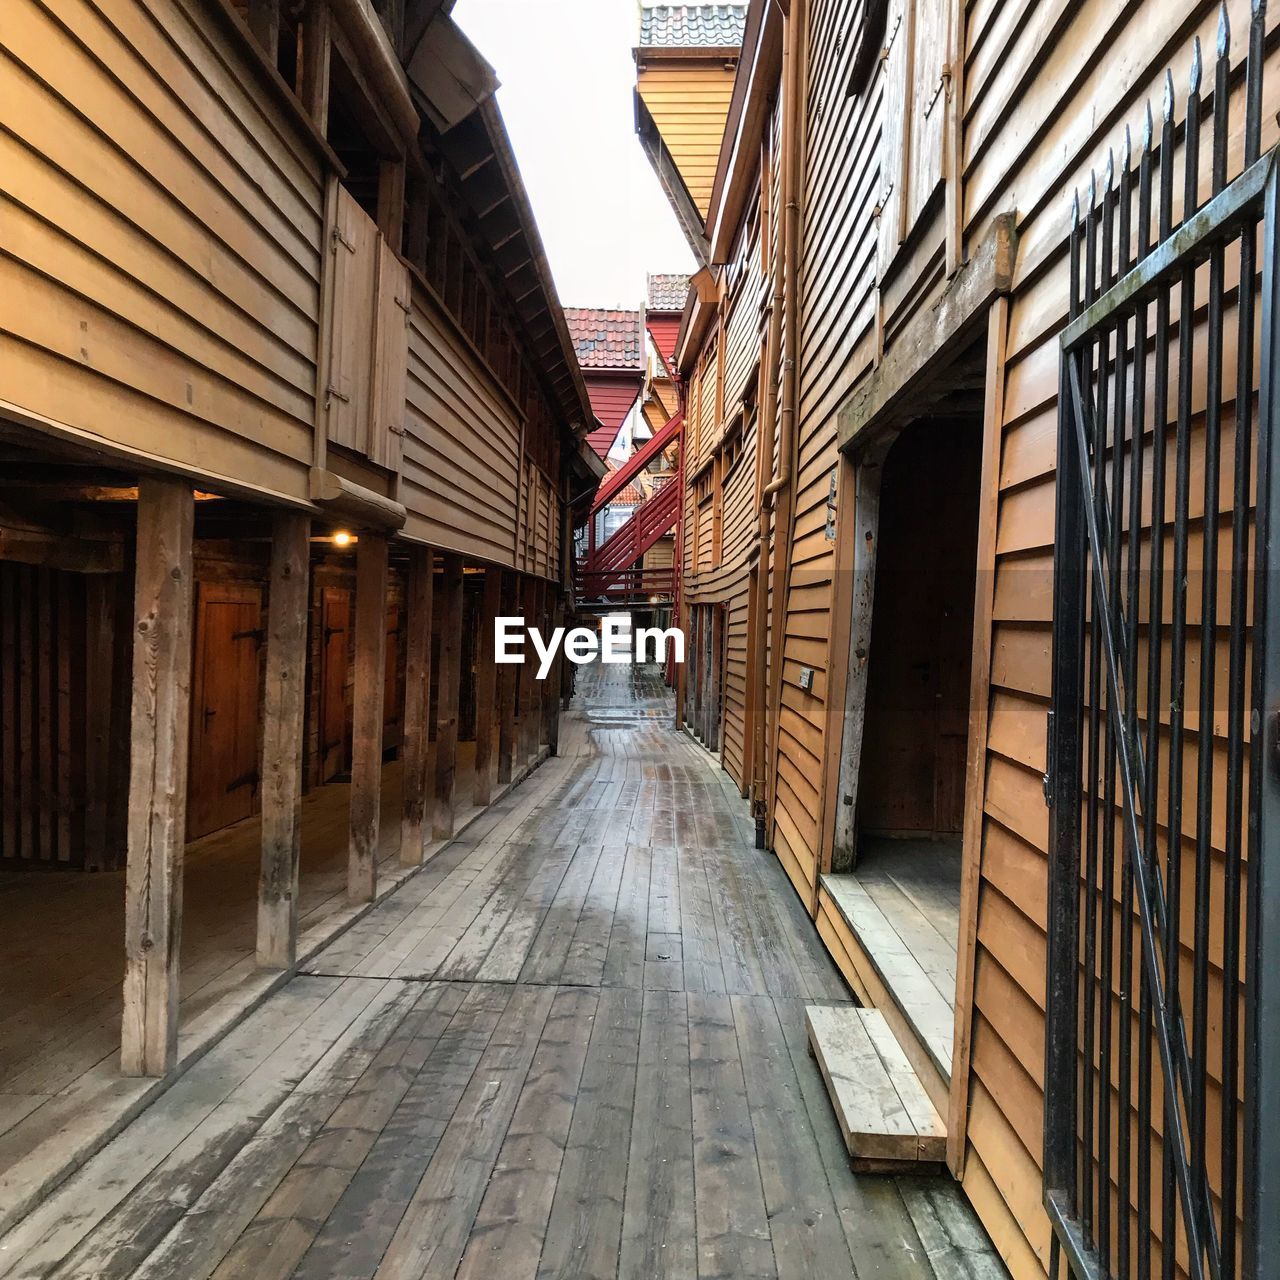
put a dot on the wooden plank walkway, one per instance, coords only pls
(573, 1045)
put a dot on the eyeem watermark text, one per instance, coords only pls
(615, 643)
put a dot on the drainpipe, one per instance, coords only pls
(779, 417)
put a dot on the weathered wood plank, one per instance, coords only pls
(417, 705)
(449, 606)
(367, 718)
(283, 705)
(163, 599)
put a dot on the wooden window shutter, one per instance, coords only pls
(390, 360)
(930, 38)
(894, 137)
(355, 247)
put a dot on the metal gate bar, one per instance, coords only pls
(1101, 752)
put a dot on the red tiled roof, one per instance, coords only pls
(630, 495)
(606, 339)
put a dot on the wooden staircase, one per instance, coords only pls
(889, 1123)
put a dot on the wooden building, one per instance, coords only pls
(289, 411)
(918, 217)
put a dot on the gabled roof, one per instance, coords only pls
(668, 292)
(692, 26)
(606, 339)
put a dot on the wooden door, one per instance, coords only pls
(223, 786)
(335, 669)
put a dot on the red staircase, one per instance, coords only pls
(616, 481)
(608, 569)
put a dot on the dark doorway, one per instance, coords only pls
(335, 667)
(913, 755)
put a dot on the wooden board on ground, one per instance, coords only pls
(886, 1117)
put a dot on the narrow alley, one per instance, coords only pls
(572, 1045)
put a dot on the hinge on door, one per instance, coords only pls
(340, 239)
(396, 428)
(1049, 761)
(404, 304)
(334, 392)
(878, 211)
(944, 82)
(888, 44)
(256, 634)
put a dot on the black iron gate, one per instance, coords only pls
(1163, 991)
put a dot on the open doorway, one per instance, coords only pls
(904, 763)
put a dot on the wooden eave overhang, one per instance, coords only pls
(753, 90)
(478, 151)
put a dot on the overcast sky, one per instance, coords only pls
(567, 76)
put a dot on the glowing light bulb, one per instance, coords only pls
(342, 538)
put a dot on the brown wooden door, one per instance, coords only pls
(223, 786)
(335, 667)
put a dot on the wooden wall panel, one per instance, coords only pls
(462, 443)
(161, 281)
(689, 102)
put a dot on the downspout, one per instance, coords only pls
(779, 417)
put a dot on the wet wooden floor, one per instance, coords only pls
(572, 1046)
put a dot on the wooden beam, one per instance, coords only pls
(449, 603)
(507, 687)
(157, 819)
(264, 22)
(551, 686)
(528, 732)
(313, 62)
(979, 725)
(101, 619)
(417, 705)
(391, 185)
(487, 724)
(284, 700)
(366, 734)
(51, 550)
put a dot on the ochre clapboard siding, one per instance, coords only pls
(1020, 66)
(162, 233)
(462, 443)
(689, 102)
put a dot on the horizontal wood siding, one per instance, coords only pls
(163, 223)
(689, 102)
(462, 443)
(837, 307)
(1083, 72)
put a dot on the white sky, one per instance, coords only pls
(567, 76)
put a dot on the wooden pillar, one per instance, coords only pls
(283, 703)
(264, 22)
(101, 620)
(487, 724)
(366, 732)
(528, 736)
(551, 686)
(157, 820)
(313, 69)
(449, 603)
(417, 706)
(507, 687)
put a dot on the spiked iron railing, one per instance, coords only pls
(1127, 836)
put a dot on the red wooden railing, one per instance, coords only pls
(628, 586)
(618, 553)
(643, 457)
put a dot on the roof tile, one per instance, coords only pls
(668, 292)
(692, 26)
(606, 339)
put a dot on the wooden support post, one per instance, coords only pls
(283, 703)
(391, 187)
(449, 602)
(313, 62)
(264, 22)
(101, 593)
(366, 732)
(528, 736)
(487, 724)
(417, 706)
(507, 687)
(551, 686)
(163, 598)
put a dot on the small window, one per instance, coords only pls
(868, 46)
